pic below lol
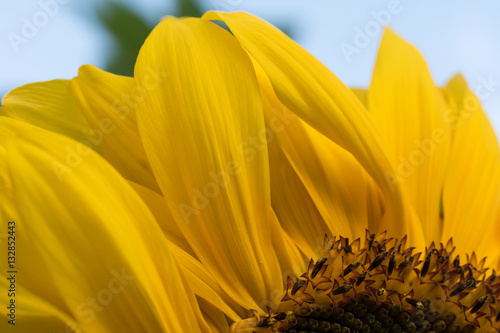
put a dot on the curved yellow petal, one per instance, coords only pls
(108, 103)
(212, 315)
(291, 259)
(306, 87)
(471, 191)
(294, 208)
(34, 315)
(87, 243)
(334, 181)
(197, 276)
(408, 109)
(158, 206)
(362, 95)
(495, 260)
(197, 127)
(48, 105)
(205, 286)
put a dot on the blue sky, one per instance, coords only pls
(455, 36)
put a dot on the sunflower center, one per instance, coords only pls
(383, 286)
(364, 315)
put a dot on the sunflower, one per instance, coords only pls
(235, 180)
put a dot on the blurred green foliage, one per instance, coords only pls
(129, 31)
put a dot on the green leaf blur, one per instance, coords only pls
(128, 30)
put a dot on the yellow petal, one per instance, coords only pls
(205, 286)
(35, 314)
(197, 126)
(158, 206)
(87, 243)
(293, 205)
(471, 191)
(291, 259)
(213, 316)
(495, 260)
(333, 180)
(409, 109)
(362, 95)
(48, 105)
(306, 87)
(108, 103)
(197, 276)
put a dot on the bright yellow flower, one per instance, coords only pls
(227, 158)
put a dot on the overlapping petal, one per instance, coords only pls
(334, 182)
(158, 207)
(86, 242)
(293, 205)
(229, 156)
(197, 127)
(471, 192)
(49, 105)
(408, 109)
(108, 103)
(306, 87)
